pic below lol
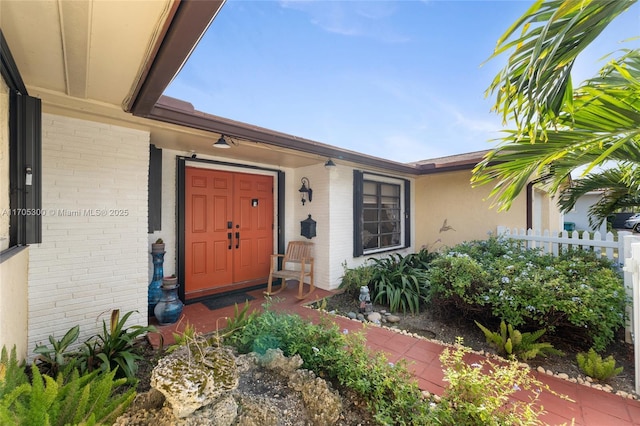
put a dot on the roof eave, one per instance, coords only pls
(178, 112)
(190, 21)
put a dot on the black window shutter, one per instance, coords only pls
(25, 144)
(155, 189)
(358, 178)
(407, 213)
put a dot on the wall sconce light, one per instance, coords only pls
(329, 163)
(305, 190)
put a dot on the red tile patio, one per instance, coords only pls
(588, 406)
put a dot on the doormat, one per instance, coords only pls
(222, 301)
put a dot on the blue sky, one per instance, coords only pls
(401, 80)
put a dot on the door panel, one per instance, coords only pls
(254, 208)
(228, 229)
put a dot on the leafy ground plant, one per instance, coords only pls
(481, 393)
(51, 360)
(511, 342)
(398, 283)
(592, 364)
(111, 350)
(392, 395)
(354, 278)
(116, 344)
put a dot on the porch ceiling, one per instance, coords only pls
(90, 50)
(110, 60)
(90, 59)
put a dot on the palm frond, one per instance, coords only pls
(535, 86)
(604, 126)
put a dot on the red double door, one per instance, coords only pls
(228, 230)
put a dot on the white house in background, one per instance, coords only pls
(579, 215)
(96, 165)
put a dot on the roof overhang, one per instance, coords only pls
(112, 60)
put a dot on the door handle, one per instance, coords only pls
(237, 240)
(229, 236)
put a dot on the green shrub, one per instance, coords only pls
(72, 399)
(480, 393)
(594, 366)
(398, 284)
(391, 393)
(457, 282)
(511, 342)
(574, 294)
(354, 278)
(111, 350)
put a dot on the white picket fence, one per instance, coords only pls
(555, 242)
(625, 251)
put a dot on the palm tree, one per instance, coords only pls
(558, 128)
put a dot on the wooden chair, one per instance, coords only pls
(297, 263)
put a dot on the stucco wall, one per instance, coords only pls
(94, 252)
(450, 197)
(13, 303)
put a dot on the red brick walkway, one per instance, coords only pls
(588, 406)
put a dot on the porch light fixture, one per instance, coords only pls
(222, 143)
(329, 163)
(305, 190)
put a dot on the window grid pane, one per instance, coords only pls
(380, 215)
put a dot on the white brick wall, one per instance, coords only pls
(94, 253)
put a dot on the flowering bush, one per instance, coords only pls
(574, 292)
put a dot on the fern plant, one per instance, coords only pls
(512, 343)
(12, 372)
(592, 364)
(70, 399)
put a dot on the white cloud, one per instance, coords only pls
(350, 18)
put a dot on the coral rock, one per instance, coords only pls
(192, 378)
